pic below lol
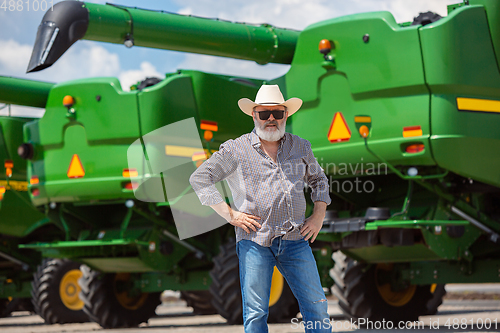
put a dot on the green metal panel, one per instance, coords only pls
(412, 224)
(155, 282)
(113, 265)
(464, 62)
(217, 100)
(383, 78)
(137, 250)
(106, 120)
(100, 104)
(91, 112)
(380, 253)
(103, 165)
(480, 271)
(492, 9)
(18, 217)
(24, 92)
(465, 142)
(166, 102)
(11, 137)
(451, 248)
(163, 30)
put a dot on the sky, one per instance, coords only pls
(18, 29)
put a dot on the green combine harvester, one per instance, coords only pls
(48, 287)
(402, 117)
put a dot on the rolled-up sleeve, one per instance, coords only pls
(218, 167)
(315, 178)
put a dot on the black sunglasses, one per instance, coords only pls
(277, 114)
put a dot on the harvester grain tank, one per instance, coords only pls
(401, 116)
(27, 281)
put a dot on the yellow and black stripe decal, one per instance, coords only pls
(14, 185)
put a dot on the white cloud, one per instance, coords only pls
(101, 62)
(130, 77)
(85, 59)
(235, 67)
(14, 56)
(405, 11)
(21, 111)
(79, 62)
(297, 14)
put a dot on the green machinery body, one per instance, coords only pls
(427, 95)
(93, 208)
(403, 76)
(441, 79)
(20, 221)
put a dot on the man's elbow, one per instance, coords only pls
(193, 179)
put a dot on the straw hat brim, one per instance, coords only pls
(292, 105)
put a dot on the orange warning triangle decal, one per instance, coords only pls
(75, 169)
(339, 131)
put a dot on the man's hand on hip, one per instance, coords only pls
(238, 219)
(313, 223)
(245, 221)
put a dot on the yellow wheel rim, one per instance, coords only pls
(69, 290)
(394, 298)
(123, 297)
(277, 284)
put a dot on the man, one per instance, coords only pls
(266, 170)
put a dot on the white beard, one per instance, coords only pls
(270, 133)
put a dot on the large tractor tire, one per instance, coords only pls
(200, 301)
(361, 296)
(226, 290)
(108, 302)
(55, 292)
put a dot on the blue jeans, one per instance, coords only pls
(295, 261)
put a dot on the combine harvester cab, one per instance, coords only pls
(23, 269)
(112, 166)
(401, 117)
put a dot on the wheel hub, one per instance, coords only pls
(69, 290)
(277, 285)
(395, 298)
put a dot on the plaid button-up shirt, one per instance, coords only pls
(261, 187)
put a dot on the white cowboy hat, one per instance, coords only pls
(270, 95)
